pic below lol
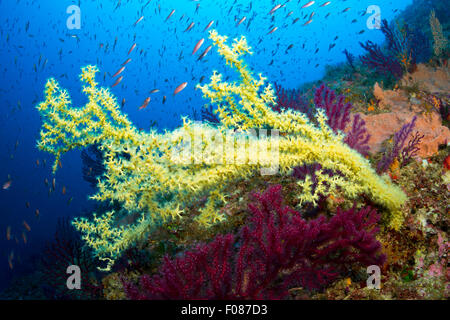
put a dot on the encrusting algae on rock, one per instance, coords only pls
(144, 174)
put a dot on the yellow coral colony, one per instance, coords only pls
(151, 187)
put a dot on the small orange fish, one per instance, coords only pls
(126, 62)
(190, 27)
(24, 237)
(273, 30)
(10, 264)
(117, 82)
(132, 48)
(145, 104)
(307, 22)
(171, 14)
(36, 213)
(309, 4)
(25, 224)
(240, 21)
(180, 88)
(63, 190)
(204, 53)
(138, 20)
(8, 233)
(54, 183)
(198, 45)
(7, 184)
(37, 162)
(11, 255)
(209, 25)
(278, 6)
(119, 72)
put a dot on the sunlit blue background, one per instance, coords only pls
(162, 59)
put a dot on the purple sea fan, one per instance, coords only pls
(399, 148)
(350, 59)
(337, 111)
(316, 252)
(67, 249)
(276, 250)
(411, 149)
(291, 99)
(382, 63)
(358, 137)
(201, 273)
(209, 115)
(396, 40)
(405, 42)
(206, 114)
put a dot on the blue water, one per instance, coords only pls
(162, 59)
